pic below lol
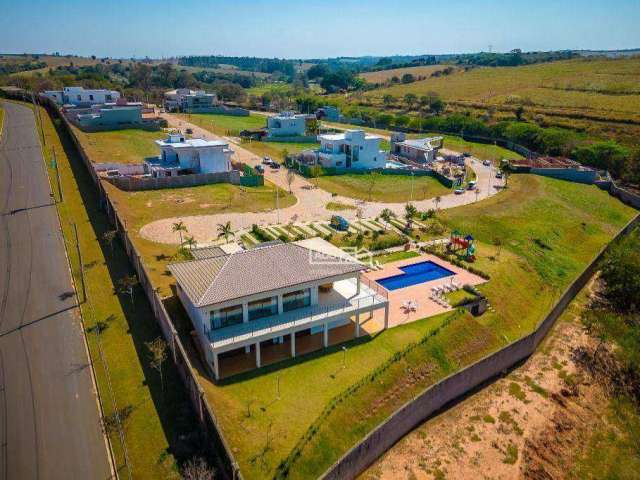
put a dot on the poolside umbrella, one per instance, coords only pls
(469, 238)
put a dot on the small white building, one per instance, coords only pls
(352, 149)
(420, 150)
(78, 96)
(180, 156)
(187, 100)
(287, 124)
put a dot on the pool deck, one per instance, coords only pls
(419, 293)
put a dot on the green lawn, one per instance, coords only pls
(120, 146)
(159, 422)
(395, 256)
(276, 149)
(482, 151)
(386, 188)
(224, 124)
(339, 206)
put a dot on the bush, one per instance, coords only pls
(387, 241)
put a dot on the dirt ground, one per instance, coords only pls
(529, 424)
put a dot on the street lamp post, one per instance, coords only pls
(344, 357)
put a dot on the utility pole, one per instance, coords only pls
(84, 290)
(277, 205)
(55, 162)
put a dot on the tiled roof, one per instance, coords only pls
(207, 252)
(218, 279)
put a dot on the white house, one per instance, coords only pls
(180, 156)
(351, 149)
(420, 150)
(187, 100)
(244, 302)
(287, 124)
(78, 96)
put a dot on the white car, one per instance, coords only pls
(459, 191)
(487, 163)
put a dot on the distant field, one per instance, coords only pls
(52, 61)
(384, 75)
(605, 87)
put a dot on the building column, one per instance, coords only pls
(258, 360)
(325, 335)
(357, 324)
(245, 319)
(358, 285)
(293, 344)
(216, 366)
(386, 316)
(280, 308)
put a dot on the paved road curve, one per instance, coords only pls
(49, 420)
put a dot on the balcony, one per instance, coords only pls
(341, 302)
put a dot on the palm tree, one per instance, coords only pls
(386, 215)
(190, 242)
(225, 230)
(437, 201)
(179, 227)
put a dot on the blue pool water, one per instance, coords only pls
(414, 274)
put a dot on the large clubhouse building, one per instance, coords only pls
(241, 302)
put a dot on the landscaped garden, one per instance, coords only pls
(382, 188)
(532, 241)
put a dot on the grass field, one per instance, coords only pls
(120, 146)
(387, 188)
(224, 124)
(608, 87)
(160, 427)
(384, 75)
(548, 230)
(276, 149)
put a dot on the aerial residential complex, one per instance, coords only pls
(78, 96)
(180, 156)
(242, 302)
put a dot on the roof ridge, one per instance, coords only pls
(213, 280)
(194, 260)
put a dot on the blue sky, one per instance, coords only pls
(313, 28)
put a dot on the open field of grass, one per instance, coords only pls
(160, 428)
(608, 87)
(276, 149)
(120, 146)
(384, 75)
(387, 188)
(52, 61)
(224, 124)
(548, 230)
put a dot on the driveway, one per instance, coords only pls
(49, 418)
(311, 201)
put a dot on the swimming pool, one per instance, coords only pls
(415, 274)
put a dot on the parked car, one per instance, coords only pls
(466, 154)
(275, 165)
(189, 131)
(487, 163)
(498, 174)
(260, 169)
(471, 185)
(459, 191)
(267, 160)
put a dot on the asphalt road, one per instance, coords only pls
(49, 418)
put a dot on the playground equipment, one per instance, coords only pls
(459, 242)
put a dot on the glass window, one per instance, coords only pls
(90, 97)
(225, 317)
(297, 299)
(264, 307)
(108, 98)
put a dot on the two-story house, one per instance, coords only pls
(191, 101)
(287, 124)
(179, 155)
(244, 302)
(351, 149)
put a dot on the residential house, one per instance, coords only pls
(420, 150)
(245, 302)
(80, 97)
(180, 156)
(329, 113)
(108, 115)
(192, 101)
(351, 149)
(287, 124)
